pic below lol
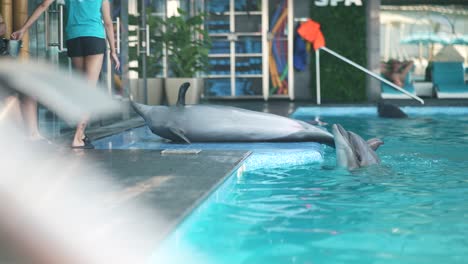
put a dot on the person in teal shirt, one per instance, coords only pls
(89, 22)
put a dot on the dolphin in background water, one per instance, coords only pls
(386, 110)
(215, 123)
(352, 151)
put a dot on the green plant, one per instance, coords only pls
(187, 43)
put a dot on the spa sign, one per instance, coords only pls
(338, 2)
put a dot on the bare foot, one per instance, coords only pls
(78, 143)
(36, 137)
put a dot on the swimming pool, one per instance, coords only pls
(413, 208)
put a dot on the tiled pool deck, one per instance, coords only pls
(172, 184)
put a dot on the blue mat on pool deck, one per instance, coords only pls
(266, 154)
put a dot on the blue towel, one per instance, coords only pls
(300, 52)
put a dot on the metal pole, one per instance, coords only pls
(290, 56)
(265, 51)
(372, 74)
(317, 73)
(232, 46)
(143, 50)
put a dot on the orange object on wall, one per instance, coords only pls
(310, 31)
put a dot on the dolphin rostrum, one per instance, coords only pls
(352, 151)
(215, 123)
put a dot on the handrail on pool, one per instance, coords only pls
(370, 73)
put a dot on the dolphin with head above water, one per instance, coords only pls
(352, 151)
(214, 123)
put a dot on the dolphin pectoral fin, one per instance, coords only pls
(180, 134)
(374, 143)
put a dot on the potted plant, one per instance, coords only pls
(154, 66)
(187, 44)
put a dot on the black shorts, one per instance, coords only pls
(85, 46)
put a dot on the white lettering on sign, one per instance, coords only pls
(356, 2)
(321, 2)
(336, 2)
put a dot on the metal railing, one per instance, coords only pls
(362, 69)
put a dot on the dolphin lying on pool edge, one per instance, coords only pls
(215, 123)
(352, 151)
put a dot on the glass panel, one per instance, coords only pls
(278, 48)
(220, 46)
(249, 44)
(279, 67)
(217, 24)
(155, 60)
(218, 87)
(219, 66)
(249, 66)
(37, 41)
(248, 86)
(248, 5)
(217, 6)
(49, 124)
(248, 23)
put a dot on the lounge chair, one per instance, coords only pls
(449, 80)
(389, 92)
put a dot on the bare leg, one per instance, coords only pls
(91, 66)
(29, 111)
(79, 65)
(11, 110)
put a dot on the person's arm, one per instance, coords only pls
(35, 15)
(2, 26)
(406, 68)
(106, 16)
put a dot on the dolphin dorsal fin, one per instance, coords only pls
(182, 91)
(374, 143)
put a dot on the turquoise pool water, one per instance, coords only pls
(413, 208)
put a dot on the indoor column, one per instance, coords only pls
(7, 13)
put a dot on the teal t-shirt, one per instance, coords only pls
(84, 19)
